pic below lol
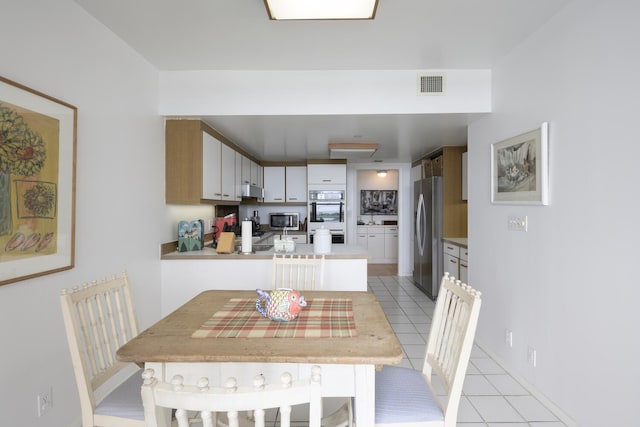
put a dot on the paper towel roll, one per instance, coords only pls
(247, 231)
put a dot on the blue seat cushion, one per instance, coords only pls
(403, 395)
(125, 400)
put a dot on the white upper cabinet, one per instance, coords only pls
(228, 173)
(246, 170)
(238, 175)
(255, 169)
(326, 174)
(274, 184)
(296, 184)
(211, 160)
(285, 184)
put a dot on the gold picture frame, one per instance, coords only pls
(37, 183)
(520, 169)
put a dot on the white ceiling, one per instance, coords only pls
(406, 34)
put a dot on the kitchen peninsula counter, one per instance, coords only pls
(338, 251)
(186, 274)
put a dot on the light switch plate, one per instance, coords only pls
(517, 223)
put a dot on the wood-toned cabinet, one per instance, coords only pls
(201, 166)
(447, 163)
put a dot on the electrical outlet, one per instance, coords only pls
(508, 337)
(517, 223)
(45, 401)
(532, 356)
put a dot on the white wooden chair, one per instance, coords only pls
(407, 397)
(300, 272)
(213, 401)
(99, 318)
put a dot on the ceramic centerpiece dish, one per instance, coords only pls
(282, 304)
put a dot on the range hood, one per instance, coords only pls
(250, 191)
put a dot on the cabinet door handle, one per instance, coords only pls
(326, 180)
(452, 261)
(293, 198)
(277, 198)
(463, 265)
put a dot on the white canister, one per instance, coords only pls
(322, 241)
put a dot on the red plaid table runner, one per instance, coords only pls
(321, 318)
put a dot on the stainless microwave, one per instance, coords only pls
(284, 221)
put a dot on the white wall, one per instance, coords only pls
(56, 48)
(225, 92)
(567, 286)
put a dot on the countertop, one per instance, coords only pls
(338, 251)
(460, 241)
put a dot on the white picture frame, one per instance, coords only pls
(520, 168)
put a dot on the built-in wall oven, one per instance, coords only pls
(336, 236)
(327, 210)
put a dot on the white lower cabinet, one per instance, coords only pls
(451, 265)
(464, 264)
(300, 239)
(455, 261)
(380, 241)
(391, 243)
(375, 244)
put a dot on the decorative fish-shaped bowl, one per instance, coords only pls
(282, 304)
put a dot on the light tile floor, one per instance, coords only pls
(490, 396)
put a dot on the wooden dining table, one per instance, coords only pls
(203, 338)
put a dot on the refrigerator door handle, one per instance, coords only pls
(421, 224)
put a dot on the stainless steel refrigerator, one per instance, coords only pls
(427, 248)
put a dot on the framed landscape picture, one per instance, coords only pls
(37, 183)
(520, 169)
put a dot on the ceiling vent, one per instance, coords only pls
(430, 84)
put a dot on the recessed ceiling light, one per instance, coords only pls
(344, 150)
(321, 9)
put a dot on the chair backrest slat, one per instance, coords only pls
(99, 318)
(301, 272)
(230, 398)
(453, 327)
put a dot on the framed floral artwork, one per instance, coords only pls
(37, 183)
(520, 169)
